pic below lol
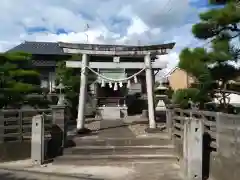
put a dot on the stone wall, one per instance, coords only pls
(221, 141)
(11, 151)
(225, 162)
(224, 168)
(16, 145)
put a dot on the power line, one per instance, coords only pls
(165, 6)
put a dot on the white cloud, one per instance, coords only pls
(110, 21)
(137, 26)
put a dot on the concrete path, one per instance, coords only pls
(146, 170)
(111, 128)
(24, 170)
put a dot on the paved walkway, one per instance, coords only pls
(164, 170)
(113, 129)
(133, 126)
(24, 170)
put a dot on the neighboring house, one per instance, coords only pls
(45, 56)
(179, 79)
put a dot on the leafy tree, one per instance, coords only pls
(220, 25)
(182, 96)
(169, 92)
(70, 78)
(17, 78)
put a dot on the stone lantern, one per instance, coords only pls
(61, 96)
(161, 96)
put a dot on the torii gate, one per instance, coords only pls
(112, 50)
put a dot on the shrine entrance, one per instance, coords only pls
(131, 64)
(107, 96)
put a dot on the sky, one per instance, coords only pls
(110, 21)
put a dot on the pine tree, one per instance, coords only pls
(219, 26)
(17, 78)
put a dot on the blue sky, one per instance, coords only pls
(110, 21)
(199, 3)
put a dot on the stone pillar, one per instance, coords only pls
(37, 141)
(169, 122)
(82, 94)
(193, 144)
(59, 129)
(149, 84)
(185, 148)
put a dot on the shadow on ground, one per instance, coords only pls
(12, 175)
(206, 150)
(111, 128)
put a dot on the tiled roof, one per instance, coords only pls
(38, 48)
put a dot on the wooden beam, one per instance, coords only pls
(112, 65)
(115, 47)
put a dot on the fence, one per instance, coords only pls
(221, 140)
(179, 116)
(15, 125)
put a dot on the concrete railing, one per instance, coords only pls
(16, 130)
(218, 142)
(15, 124)
(46, 148)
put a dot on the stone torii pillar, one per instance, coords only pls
(83, 91)
(82, 95)
(112, 65)
(149, 84)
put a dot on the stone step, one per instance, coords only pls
(113, 150)
(122, 142)
(119, 163)
(120, 159)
